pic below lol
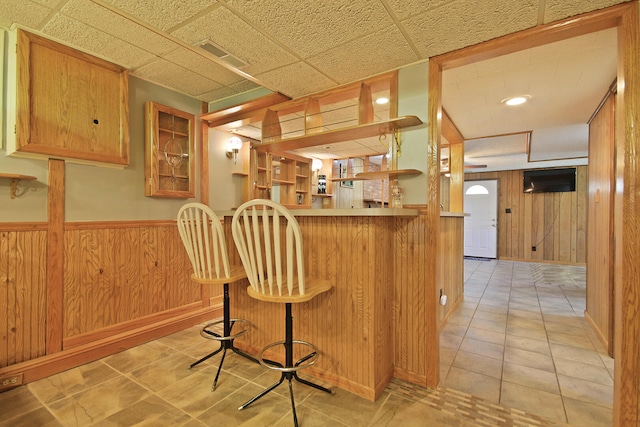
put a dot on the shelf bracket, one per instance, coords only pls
(15, 190)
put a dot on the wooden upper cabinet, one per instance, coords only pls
(66, 103)
(169, 152)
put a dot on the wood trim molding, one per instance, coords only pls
(55, 256)
(95, 225)
(24, 226)
(51, 364)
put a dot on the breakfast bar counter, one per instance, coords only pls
(373, 325)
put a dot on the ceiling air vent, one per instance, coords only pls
(225, 56)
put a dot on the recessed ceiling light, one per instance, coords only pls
(516, 100)
(381, 101)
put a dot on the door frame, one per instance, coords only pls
(624, 17)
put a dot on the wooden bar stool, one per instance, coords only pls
(276, 274)
(203, 238)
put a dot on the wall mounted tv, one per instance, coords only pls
(549, 180)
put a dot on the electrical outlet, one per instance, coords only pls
(533, 248)
(10, 381)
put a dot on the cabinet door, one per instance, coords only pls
(69, 104)
(169, 152)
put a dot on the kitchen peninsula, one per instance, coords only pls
(372, 326)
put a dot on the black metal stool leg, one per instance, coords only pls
(289, 368)
(225, 344)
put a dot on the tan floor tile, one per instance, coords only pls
(345, 406)
(535, 334)
(41, 417)
(536, 346)
(450, 341)
(97, 403)
(583, 371)
(193, 394)
(138, 357)
(69, 382)
(531, 377)
(19, 402)
(483, 348)
(264, 412)
(454, 329)
(573, 340)
(586, 391)
(480, 364)
(150, 412)
(186, 338)
(577, 354)
(529, 358)
(542, 403)
(486, 335)
(473, 383)
(401, 412)
(488, 325)
(584, 414)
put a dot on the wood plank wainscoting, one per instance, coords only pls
(125, 283)
(374, 324)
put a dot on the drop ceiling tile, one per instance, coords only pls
(560, 9)
(26, 13)
(227, 91)
(464, 23)
(87, 38)
(311, 27)
(296, 80)
(383, 50)
(118, 26)
(227, 31)
(163, 14)
(204, 66)
(176, 77)
(406, 8)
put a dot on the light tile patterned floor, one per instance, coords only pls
(520, 340)
(504, 363)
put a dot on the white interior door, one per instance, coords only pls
(481, 226)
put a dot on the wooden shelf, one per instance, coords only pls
(322, 195)
(351, 178)
(339, 135)
(15, 180)
(386, 174)
(239, 174)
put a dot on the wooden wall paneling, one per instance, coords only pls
(599, 294)
(554, 222)
(22, 295)
(55, 251)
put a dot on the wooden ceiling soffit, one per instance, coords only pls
(248, 112)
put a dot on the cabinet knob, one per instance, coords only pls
(96, 121)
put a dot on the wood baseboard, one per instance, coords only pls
(598, 333)
(45, 366)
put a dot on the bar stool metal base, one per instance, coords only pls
(226, 339)
(289, 369)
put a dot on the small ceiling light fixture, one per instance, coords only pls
(516, 100)
(382, 101)
(234, 144)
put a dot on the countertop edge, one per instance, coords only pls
(342, 212)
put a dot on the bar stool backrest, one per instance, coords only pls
(203, 237)
(259, 226)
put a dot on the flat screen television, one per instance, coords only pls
(549, 180)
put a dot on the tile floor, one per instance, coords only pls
(520, 339)
(516, 353)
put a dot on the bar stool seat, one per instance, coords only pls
(276, 275)
(203, 238)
